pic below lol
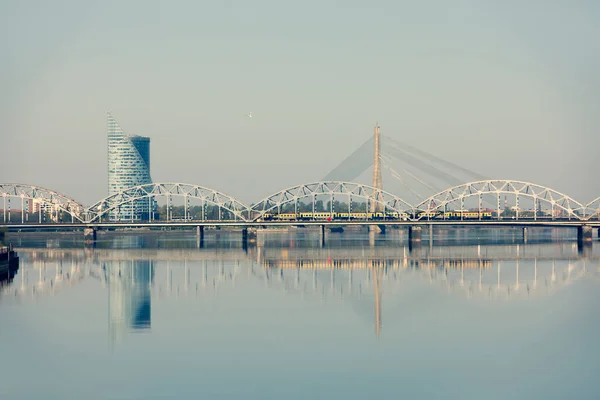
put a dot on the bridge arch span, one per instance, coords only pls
(546, 203)
(347, 190)
(44, 202)
(593, 209)
(207, 196)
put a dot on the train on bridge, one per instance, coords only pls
(376, 216)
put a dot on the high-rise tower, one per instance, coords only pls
(128, 166)
(377, 184)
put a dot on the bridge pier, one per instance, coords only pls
(377, 228)
(584, 233)
(525, 234)
(89, 235)
(245, 239)
(414, 234)
(247, 235)
(322, 236)
(199, 236)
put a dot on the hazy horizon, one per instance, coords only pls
(506, 89)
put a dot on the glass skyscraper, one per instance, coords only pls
(128, 166)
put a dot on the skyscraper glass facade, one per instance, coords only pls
(128, 166)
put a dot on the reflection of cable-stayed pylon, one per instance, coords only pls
(377, 183)
(377, 292)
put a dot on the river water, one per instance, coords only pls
(149, 316)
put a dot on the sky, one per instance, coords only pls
(509, 89)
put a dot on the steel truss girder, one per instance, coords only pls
(188, 191)
(56, 201)
(557, 200)
(332, 188)
(593, 209)
(61, 203)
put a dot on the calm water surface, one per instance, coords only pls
(168, 316)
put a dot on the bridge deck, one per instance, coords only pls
(245, 224)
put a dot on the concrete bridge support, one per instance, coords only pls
(248, 235)
(584, 233)
(89, 235)
(322, 236)
(245, 239)
(377, 228)
(199, 236)
(414, 234)
(525, 232)
(414, 238)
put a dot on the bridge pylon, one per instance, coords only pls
(377, 182)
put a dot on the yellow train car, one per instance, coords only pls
(328, 216)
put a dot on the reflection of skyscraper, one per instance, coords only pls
(129, 297)
(128, 166)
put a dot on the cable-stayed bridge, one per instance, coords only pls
(427, 190)
(415, 174)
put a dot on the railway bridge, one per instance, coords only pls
(326, 205)
(335, 202)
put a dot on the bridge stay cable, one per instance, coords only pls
(354, 165)
(426, 167)
(428, 186)
(399, 177)
(404, 155)
(474, 175)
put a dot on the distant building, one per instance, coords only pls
(128, 166)
(37, 206)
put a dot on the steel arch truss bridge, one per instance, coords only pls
(37, 204)
(499, 199)
(495, 200)
(331, 200)
(593, 209)
(224, 207)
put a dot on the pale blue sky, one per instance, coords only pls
(507, 88)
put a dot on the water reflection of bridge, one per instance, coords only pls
(540, 251)
(366, 278)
